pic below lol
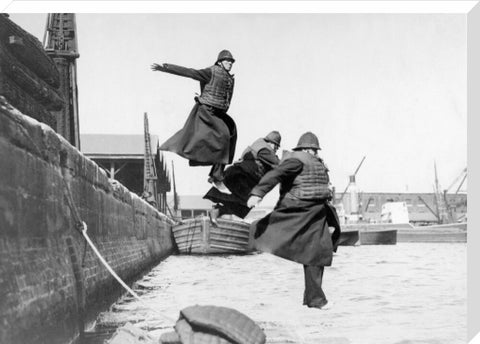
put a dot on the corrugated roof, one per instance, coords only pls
(115, 144)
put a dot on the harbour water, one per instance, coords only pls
(389, 294)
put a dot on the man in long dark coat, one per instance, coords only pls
(209, 135)
(298, 227)
(257, 159)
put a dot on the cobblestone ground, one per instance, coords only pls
(401, 294)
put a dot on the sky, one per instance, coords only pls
(391, 87)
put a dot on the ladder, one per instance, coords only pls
(149, 170)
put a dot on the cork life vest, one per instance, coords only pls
(312, 182)
(219, 90)
(253, 149)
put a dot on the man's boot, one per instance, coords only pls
(214, 214)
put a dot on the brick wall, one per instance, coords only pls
(47, 278)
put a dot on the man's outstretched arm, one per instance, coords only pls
(202, 75)
(287, 169)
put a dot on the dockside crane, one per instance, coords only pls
(444, 211)
(351, 180)
(354, 204)
(163, 180)
(430, 209)
(149, 170)
(462, 175)
(60, 43)
(176, 202)
(451, 208)
(439, 204)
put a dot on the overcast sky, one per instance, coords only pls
(391, 87)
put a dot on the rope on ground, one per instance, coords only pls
(114, 274)
(82, 227)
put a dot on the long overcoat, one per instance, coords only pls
(209, 134)
(239, 178)
(207, 137)
(297, 230)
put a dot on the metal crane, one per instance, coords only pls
(149, 170)
(60, 43)
(175, 195)
(351, 179)
(449, 207)
(462, 174)
(444, 211)
(430, 209)
(440, 207)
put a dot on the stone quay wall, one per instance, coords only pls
(51, 282)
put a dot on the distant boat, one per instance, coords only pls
(373, 234)
(199, 236)
(378, 237)
(447, 233)
(349, 237)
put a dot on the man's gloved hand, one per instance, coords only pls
(253, 201)
(156, 66)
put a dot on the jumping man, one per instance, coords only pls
(209, 135)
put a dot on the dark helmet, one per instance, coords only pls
(307, 140)
(274, 137)
(225, 55)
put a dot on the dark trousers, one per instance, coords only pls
(314, 295)
(216, 172)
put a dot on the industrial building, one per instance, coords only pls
(123, 158)
(422, 207)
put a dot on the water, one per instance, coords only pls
(405, 293)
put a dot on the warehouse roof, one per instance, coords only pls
(115, 144)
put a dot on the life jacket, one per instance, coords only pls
(255, 147)
(312, 182)
(219, 90)
(251, 152)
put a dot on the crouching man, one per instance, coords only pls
(240, 178)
